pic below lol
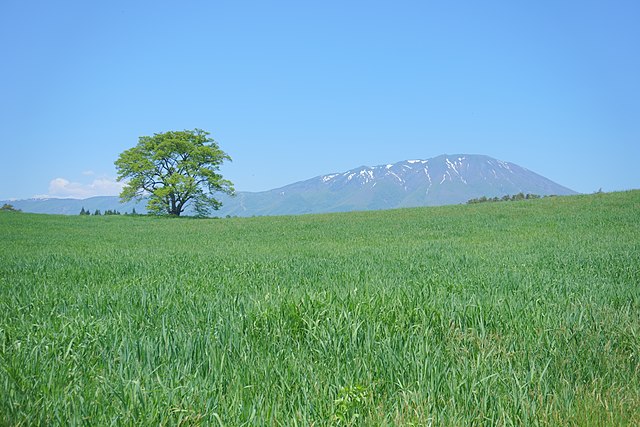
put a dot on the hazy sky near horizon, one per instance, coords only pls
(293, 89)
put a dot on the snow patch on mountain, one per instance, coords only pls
(328, 178)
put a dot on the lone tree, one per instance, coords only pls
(9, 208)
(173, 169)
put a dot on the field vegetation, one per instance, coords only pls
(521, 313)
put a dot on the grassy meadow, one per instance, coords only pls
(511, 313)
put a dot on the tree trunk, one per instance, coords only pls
(173, 208)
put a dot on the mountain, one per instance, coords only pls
(73, 206)
(442, 180)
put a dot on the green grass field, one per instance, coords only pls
(516, 313)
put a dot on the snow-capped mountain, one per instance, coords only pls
(442, 180)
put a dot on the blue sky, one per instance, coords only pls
(292, 90)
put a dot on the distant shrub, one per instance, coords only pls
(505, 198)
(9, 208)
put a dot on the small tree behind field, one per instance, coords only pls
(9, 208)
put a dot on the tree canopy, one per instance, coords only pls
(8, 207)
(173, 169)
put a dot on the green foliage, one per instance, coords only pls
(350, 404)
(489, 314)
(174, 169)
(9, 208)
(505, 198)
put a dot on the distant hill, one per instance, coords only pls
(442, 180)
(73, 206)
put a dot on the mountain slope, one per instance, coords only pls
(442, 180)
(73, 206)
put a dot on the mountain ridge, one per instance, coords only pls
(440, 180)
(445, 179)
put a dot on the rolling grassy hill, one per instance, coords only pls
(515, 313)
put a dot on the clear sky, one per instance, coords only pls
(292, 90)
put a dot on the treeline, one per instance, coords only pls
(505, 198)
(84, 211)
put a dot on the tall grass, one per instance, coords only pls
(522, 313)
